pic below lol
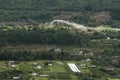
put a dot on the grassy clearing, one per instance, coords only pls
(56, 68)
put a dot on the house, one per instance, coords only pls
(34, 74)
(83, 65)
(108, 38)
(57, 50)
(60, 63)
(91, 54)
(16, 76)
(78, 53)
(4, 65)
(110, 68)
(38, 67)
(13, 65)
(88, 60)
(48, 63)
(81, 52)
(34, 64)
(43, 75)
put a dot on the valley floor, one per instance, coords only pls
(50, 70)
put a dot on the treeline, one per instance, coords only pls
(50, 36)
(29, 56)
(104, 58)
(55, 36)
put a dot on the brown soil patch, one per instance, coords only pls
(67, 15)
(102, 17)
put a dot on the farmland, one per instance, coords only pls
(49, 70)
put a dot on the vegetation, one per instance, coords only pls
(40, 11)
(58, 70)
(26, 38)
(11, 38)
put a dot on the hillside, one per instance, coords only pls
(61, 5)
(59, 40)
(80, 11)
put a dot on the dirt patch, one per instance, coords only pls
(102, 17)
(67, 15)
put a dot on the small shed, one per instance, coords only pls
(13, 65)
(48, 63)
(34, 64)
(16, 76)
(34, 74)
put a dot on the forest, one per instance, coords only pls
(42, 11)
(58, 36)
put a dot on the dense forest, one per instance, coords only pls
(46, 10)
(55, 36)
(51, 36)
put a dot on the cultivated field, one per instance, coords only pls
(44, 70)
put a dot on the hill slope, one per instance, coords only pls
(69, 5)
(46, 10)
